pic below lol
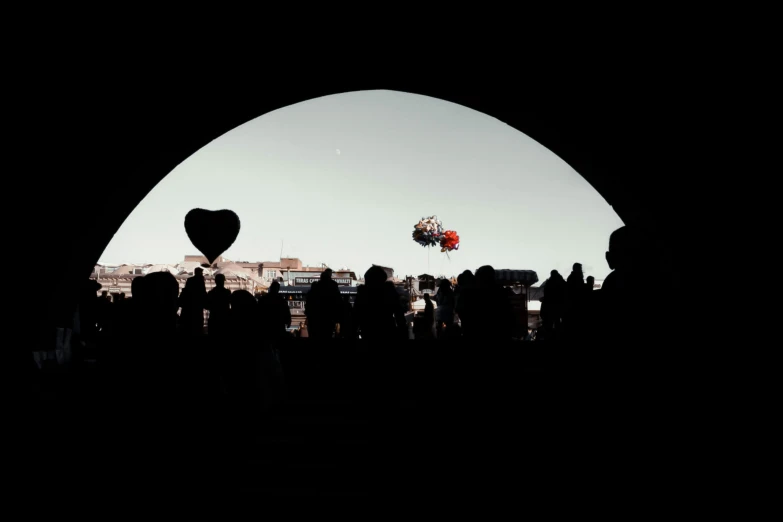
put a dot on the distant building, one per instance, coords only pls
(253, 276)
(290, 272)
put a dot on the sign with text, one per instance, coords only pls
(342, 281)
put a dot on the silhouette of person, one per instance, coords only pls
(553, 306)
(104, 312)
(123, 315)
(219, 306)
(322, 307)
(156, 358)
(241, 354)
(160, 292)
(445, 312)
(88, 311)
(137, 288)
(590, 305)
(466, 281)
(137, 299)
(486, 310)
(193, 301)
(497, 306)
(574, 317)
(627, 306)
(378, 313)
(130, 319)
(347, 326)
(428, 319)
(275, 315)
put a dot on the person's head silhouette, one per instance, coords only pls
(590, 282)
(326, 275)
(220, 281)
(242, 302)
(374, 276)
(136, 287)
(485, 276)
(160, 292)
(623, 250)
(274, 288)
(466, 278)
(578, 268)
(198, 271)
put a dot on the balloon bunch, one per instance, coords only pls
(449, 241)
(428, 231)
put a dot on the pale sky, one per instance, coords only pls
(343, 179)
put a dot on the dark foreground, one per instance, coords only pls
(516, 425)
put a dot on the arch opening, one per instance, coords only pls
(341, 179)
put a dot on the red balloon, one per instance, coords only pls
(449, 241)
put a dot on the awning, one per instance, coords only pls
(523, 277)
(162, 268)
(234, 270)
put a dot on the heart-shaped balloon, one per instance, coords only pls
(212, 232)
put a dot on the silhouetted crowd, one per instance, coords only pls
(246, 331)
(476, 308)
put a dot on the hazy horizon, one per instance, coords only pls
(342, 179)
